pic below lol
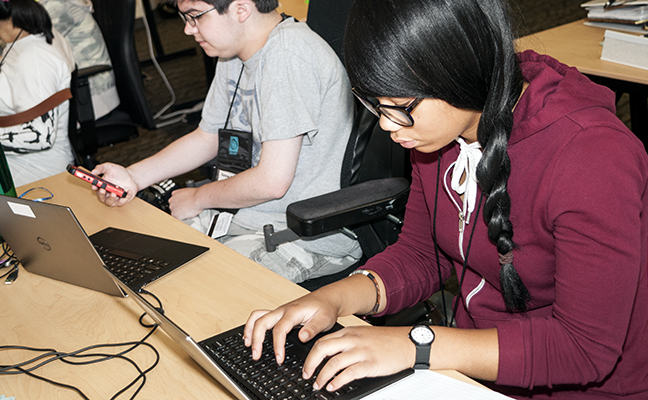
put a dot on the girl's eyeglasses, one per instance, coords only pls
(401, 115)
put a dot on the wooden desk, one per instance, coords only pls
(578, 45)
(211, 294)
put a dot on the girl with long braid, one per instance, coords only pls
(524, 182)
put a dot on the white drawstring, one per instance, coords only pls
(465, 166)
(469, 156)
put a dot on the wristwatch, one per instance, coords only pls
(422, 336)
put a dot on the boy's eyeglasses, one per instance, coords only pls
(191, 19)
(401, 115)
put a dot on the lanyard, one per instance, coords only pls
(9, 49)
(234, 97)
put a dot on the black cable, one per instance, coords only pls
(465, 263)
(5, 249)
(6, 252)
(56, 355)
(141, 375)
(103, 357)
(10, 262)
(63, 385)
(10, 271)
(6, 370)
(436, 245)
(97, 357)
(158, 308)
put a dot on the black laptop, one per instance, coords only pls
(49, 241)
(227, 360)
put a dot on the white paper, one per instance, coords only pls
(425, 384)
(222, 224)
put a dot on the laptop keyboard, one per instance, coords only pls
(129, 268)
(264, 378)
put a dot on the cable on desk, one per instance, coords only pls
(49, 195)
(10, 262)
(50, 355)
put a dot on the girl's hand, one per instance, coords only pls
(314, 312)
(359, 352)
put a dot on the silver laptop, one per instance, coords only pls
(226, 359)
(49, 241)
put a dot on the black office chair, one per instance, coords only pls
(370, 204)
(116, 19)
(328, 19)
(374, 175)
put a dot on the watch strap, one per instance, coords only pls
(422, 357)
(423, 351)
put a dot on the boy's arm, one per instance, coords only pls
(269, 180)
(183, 155)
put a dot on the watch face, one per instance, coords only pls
(422, 335)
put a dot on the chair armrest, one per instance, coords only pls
(94, 70)
(347, 207)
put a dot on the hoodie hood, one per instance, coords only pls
(555, 91)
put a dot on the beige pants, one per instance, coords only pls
(289, 259)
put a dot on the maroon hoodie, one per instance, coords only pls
(580, 219)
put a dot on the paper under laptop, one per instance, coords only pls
(49, 241)
(225, 374)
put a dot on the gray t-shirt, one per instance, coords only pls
(295, 85)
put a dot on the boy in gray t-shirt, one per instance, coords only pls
(293, 96)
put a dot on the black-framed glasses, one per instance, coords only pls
(401, 115)
(192, 19)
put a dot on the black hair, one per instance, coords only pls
(264, 6)
(461, 52)
(29, 16)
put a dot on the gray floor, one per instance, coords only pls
(186, 75)
(186, 78)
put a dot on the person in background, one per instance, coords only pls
(36, 63)
(279, 82)
(524, 182)
(73, 18)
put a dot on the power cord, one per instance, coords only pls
(8, 260)
(51, 355)
(180, 115)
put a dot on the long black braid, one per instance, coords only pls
(494, 168)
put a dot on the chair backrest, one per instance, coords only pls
(328, 18)
(73, 134)
(116, 19)
(370, 152)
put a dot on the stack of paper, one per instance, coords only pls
(626, 49)
(631, 12)
(426, 384)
